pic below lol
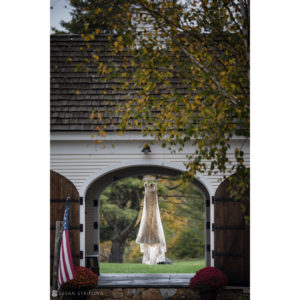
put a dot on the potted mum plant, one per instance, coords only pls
(208, 281)
(85, 279)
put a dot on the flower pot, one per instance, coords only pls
(211, 295)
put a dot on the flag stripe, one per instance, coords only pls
(70, 255)
(66, 269)
(66, 260)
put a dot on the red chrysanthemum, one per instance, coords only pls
(84, 279)
(209, 278)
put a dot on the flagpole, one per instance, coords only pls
(58, 237)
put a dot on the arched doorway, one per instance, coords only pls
(60, 189)
(92, 190)
(231, 236)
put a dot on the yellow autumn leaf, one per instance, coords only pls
(98, 11)
(92, 115)
(77, 92)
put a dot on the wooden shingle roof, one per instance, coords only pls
(74, 95)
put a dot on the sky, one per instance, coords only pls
(60, 11)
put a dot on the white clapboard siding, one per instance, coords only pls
(79, 158)
(78, 168)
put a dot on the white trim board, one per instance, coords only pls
(139, 163)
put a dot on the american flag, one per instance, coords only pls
(66, 269)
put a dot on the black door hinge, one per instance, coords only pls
(81, 200)
(208, 225)
(81, 254)
(81, 227)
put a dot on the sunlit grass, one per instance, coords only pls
(190, 266)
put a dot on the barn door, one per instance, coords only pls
(60, 189)
(232, 237)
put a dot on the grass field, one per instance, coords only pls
(190, 266)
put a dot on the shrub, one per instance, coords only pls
(84, 279)
(208, 279)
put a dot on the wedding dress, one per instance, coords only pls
(151, 235)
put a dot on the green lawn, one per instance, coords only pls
(190, 266)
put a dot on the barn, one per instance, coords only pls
(82, 169)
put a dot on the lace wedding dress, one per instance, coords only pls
(151, 235)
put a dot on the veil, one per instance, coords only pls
(151, 235)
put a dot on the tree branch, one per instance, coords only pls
(245, 16)
(123, 234)
(191, 57)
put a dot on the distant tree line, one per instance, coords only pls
(182, 212)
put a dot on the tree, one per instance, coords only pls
(184, 222)
(201, 47)
(182, 212)
(88, 16)
(119, 210)
(182, 209)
